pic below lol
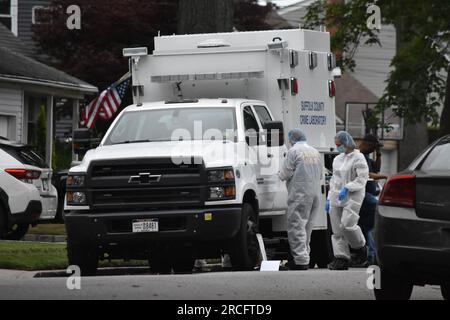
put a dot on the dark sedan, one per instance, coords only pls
(413, 226)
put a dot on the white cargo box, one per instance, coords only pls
(263, 65)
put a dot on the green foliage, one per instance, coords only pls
(416, 86)
(348, 23)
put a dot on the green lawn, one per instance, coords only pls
(49, 229)
(31, 256)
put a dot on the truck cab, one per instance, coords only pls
(191, 169)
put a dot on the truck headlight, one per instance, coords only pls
(222, 193)
(221, 175)
(76, 198)
(75, 181)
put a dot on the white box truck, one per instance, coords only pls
(190, 170)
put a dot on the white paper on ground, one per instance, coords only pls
(270, 265)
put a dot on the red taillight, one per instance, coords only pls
(294, 86)
(331, 88)
(23, 174)
(399, 191)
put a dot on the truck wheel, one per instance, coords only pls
(85, 257)
(17, 232)
(159, 261)
(445, 289)
(244, 247)
(183, 260)
(185, 265)
(393, 287)
(321, 248)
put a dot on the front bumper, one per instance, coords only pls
(407, 244)
(189, 225)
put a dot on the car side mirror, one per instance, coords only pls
(83, 141)
(275, 133)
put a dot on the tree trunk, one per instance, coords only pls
(445, 117)
(205, 16)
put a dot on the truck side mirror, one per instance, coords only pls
(83, 141)
(275, 133)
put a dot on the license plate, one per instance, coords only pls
(149, 225)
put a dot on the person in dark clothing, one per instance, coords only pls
(369, 145)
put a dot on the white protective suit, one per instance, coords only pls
(350, 171)
(302, 169)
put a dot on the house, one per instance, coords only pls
(362, 88)
(30, 90)
(19, 16)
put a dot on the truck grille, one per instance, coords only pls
(145, 183)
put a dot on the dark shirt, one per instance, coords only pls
(371, 186)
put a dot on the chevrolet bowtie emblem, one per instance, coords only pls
(144, 178)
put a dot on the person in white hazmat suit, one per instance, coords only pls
(346, 195)
(303, 170)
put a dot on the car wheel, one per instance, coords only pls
(159, 261)
(244, 249)
(85, 257)
(445, 289)
(393, 287)
(17, 232)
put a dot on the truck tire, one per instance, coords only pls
(244, 249)
(159, 261)
(393, 287)
(85, 257)
(321, 248)
(18, 232)
(445, 289)
(183, 260)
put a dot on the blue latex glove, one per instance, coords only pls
(343, 193)
(327, 206)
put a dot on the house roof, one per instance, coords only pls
(350, 90)
(16, 65)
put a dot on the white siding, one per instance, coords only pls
(372, 62)
(11, 105)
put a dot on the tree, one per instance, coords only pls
(94, 53)
(416, 87)
(205, 16)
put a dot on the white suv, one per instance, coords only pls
(26, 192)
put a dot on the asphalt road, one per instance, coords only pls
(313, 284)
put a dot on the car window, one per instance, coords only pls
(250, 122)
(26, 156)
(263, 114)
(437, 159)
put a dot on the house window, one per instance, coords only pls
(7, 127)
(8, 14)
(40, 15)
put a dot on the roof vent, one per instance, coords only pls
(213, 43)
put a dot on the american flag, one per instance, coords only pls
(106, 104)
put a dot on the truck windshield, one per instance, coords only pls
(174, 125)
